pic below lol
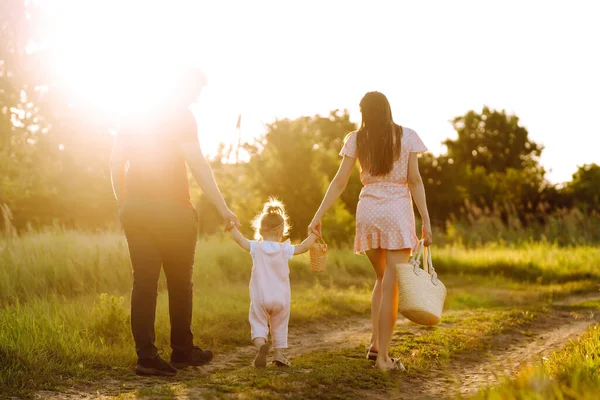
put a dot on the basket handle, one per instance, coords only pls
(430, 269)
(415, 258)
(322, 241)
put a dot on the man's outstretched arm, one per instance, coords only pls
(202, 172)
(118, 162)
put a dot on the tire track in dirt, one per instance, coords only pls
(507, 353)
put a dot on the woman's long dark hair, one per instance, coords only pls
(379, 138)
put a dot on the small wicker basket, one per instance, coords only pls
(318, 256)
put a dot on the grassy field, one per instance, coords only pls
(64, 315)
(570, 373)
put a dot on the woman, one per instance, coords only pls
(385, 223)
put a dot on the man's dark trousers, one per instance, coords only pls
(160, 233)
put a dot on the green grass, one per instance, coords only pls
(566, 227)
(570, 373)
(459, 332)
(71, 264)
(64, 299)
(472, 292)
(531, 262)
(91, 337)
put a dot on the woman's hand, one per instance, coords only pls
(426, 234)
(315, 227)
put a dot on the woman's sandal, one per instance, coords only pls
(396, 366)
(371, 354)
(260, 361)
(281, 361)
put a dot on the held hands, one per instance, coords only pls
(231, 220)
(426, 234)
(315, 227)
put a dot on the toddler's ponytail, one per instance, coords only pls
(272, 217)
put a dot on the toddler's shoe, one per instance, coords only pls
(260, 361)
(281, 361)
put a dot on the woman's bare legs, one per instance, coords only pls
(377, 259)
(388, 311)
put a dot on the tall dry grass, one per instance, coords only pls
(564, 227)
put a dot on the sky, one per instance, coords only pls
(434, 60)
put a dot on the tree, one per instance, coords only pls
(24, 143)
(492, 140)
(53, 158)
(492, 163)
(295, 161)
(584, 188)
(288, 168)
(442, 186)
(330, 133)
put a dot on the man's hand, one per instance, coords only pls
(231, 220)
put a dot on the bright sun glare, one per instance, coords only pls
(113, 57)
(267, 59)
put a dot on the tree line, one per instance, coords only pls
(491, 167)
(54, 160)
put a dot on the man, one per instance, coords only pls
(149, 175)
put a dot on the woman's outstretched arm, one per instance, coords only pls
(417, 190)
(336, 188)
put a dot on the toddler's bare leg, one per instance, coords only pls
(259, 342)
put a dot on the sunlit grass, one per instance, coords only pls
(531, 262)
(570, 373)
(64, 302)
(70, 264)
(346, 374)
(91, 336)
(480, 291)
(564, 226)
(459, 332)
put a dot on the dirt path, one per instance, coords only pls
(506, 354)
(335, 335)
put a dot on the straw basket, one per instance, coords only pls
(421, 294)
(318, 256)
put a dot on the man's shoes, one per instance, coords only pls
(194, 357)
(154, 367)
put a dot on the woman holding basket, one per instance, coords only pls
(385, 223)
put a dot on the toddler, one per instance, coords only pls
(270, 294)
